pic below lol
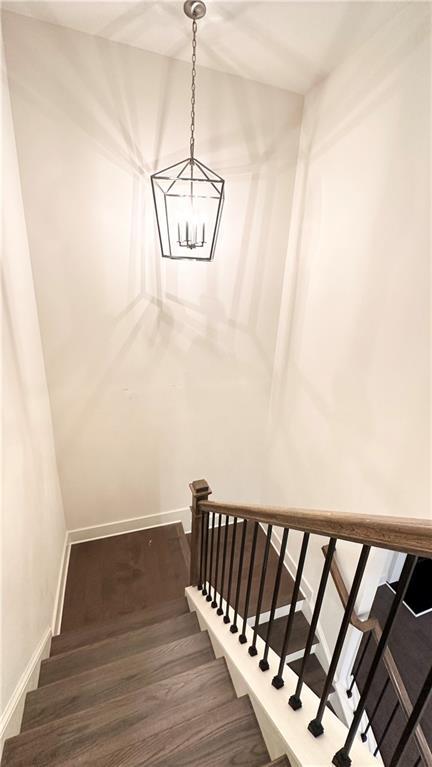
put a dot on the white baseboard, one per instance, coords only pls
(79, 535)
(61, 586)
(10, 721)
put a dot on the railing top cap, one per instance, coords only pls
(200, 487)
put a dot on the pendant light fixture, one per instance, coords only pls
(188, 196)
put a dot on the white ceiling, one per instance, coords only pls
(288, 44)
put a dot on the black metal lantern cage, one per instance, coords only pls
(188, 199)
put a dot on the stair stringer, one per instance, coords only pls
(284, 730)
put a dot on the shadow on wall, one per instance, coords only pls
(346, 410)
(137, 349)
(13, 354)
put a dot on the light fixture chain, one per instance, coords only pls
(192, 127)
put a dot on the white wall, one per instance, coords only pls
(158, 372)
(350, 425)
(32, 521)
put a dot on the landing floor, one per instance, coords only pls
(114, 576)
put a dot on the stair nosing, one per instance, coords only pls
(105, 642)
(118, 621)
(64, 680)
(56, 659)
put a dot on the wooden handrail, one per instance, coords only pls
(372, 624)
(362, 625)
(410, 536)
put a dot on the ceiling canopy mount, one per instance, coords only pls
(195, 9)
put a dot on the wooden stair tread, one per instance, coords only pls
(226, 735)
(71, 640)
(170, 701)
(286, 585)
(298, 638)
(283, 761)
(314, 675)
(85, 690)
(108, 650)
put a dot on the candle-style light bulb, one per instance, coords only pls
(190, 224)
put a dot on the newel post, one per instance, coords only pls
(200, 492)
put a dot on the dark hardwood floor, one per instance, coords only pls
(115, 576)
(314, 675)
(135, 681)
(411, 646)
(299, 634)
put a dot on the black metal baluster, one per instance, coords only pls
(355, 672)
(264, 664)
(233, 540)
(315, 725)
(386, 728)
(252, 649)
(201, 565)
(214, 603)
(220, 608)
(234, 628)
(209, 596)
(277, 680)
(375, 709)
(242, 637)
(206, 536)
(341, 758)
(295, 701)
(416, 714)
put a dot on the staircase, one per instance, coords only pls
(143, 689)
(132, 680)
